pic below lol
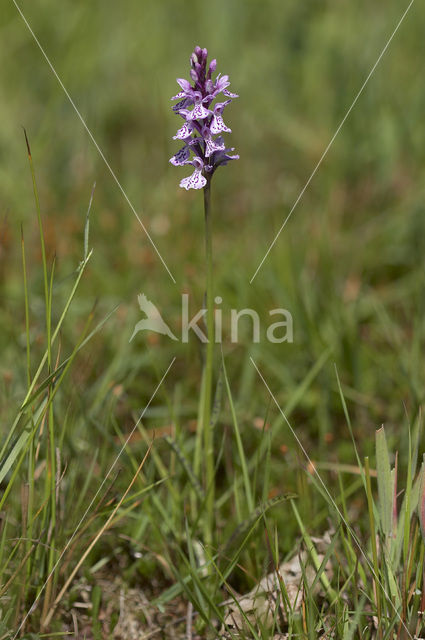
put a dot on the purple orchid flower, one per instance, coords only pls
(202, 123)
(196, 180)
(217, 122)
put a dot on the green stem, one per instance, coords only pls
(31, 461)
(208, 370)
(51, 469)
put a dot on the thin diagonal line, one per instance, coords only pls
(333, 139)
(111, 171)
(94, 498)
(313, 466)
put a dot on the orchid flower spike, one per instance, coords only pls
(201, 122)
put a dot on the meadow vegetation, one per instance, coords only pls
(104, 523)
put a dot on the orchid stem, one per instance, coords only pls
(208, 370)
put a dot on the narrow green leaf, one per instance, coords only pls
(242, 458)
(87, 225)
(333, 596)
(385, 484)
(186, 466)
(421, 506)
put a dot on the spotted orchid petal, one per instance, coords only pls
(229, 94)
(181, 157)
(222, 157)
(217, 120)
(219, 107)
(211, 146)
(195, 181)
(179, 96)
(199, 112)
(186, 102)
(217, 124)
(184, 132)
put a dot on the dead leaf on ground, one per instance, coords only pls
(264, 604)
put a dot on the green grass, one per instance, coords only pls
(349, 265)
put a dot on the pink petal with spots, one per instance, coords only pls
(219, 107)
(229, 94)
(213, 145)
(184, 132)
(195, 181)
(217, 125)
(199, 113)
(186, 102)
(181, 157)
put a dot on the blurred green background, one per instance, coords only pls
(349, 265)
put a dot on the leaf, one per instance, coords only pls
(421, 505)
(218, 399)
(186, 466)
(242, 458)
(385, 483)
(87, 225)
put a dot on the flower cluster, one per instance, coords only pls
(203, 123)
